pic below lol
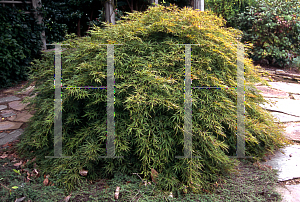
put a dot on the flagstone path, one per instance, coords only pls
(13, 114)
(284, 98)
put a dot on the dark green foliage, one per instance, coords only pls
(149, 102)
(61, 16)
(228, 9)
(20, 42)
(273, 27)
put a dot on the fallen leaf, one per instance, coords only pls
(46, 182)
(154, 175)
(20, 199)
(67, 198)
(28, 179)
(117, 193)
(83, 172)
(37, 174)
(18, 164)
(4, 156)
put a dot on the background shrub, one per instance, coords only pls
(149, 103)
(228, 9)
(20, 42)
(274, 29)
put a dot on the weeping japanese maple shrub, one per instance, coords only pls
(149, 67)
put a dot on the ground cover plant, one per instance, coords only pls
(19, 182)
(149, 103)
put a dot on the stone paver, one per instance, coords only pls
(287, 87)
(23, 117)
(7, 113)
(284, 117)
(287, 162)
(27, 91)
(12, 118)
(289, 193)
(5, 138)
(293, 131)
(17, 105)
(287, 106)
(3, 107)
(296, 97)
(9, 91)
(272, 93)
(9, 99)
(6, 125)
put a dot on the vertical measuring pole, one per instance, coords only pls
(240, 150)
(240, 102)
(57, 105)
(188, 105)
(110, 146)
(188, 125)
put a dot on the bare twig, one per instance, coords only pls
(5, 187)
(139, 176)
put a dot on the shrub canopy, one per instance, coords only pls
(149, 102)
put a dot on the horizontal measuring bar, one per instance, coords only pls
(86, 87)
(106, 87)
(137, 44)
(15, 2)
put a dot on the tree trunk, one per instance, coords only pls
(109, 12)
(199, 4)
(37, 4)
(78, 28)
(154, 1)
